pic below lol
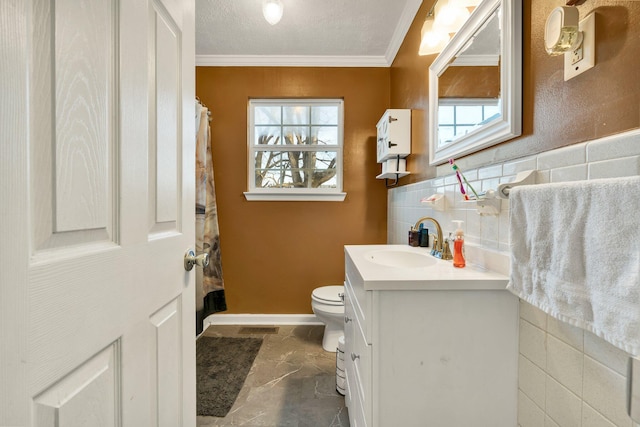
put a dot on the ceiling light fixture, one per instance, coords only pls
(272, 11)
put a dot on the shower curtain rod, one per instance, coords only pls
(205, 106)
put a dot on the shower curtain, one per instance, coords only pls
(209, 284)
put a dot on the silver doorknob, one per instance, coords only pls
(190, 259)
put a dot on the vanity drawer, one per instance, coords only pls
(347, 392)
(357, 363)
(359, 316)
(357, 416)
(360, 357)
(353, 401)
(349, 324)
(362, 299)
(359, 360)
(359, 398)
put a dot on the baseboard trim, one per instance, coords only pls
(262, 319)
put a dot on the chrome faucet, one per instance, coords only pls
(440, 247)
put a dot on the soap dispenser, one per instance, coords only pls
(458, 246)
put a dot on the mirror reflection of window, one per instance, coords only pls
(459, 116)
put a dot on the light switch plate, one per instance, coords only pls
(588, 61)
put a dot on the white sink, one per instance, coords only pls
(400, 258)
(403, 267)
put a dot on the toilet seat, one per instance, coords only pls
(329, 295)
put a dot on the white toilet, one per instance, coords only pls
(328, 306)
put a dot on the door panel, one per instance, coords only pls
(165, 141)
(88, 396)
(97, 167)
(167, 323)
(83, 74)
(72, 314)
(72, 120)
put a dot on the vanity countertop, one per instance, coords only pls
(436, 275)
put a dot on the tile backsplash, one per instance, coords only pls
(567, 377)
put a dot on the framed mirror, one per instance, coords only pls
(475, 84)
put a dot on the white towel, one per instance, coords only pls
(575, 254)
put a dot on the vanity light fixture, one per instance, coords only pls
(450, 15)
(443, 20)
(272, 11)
(565, 34)
(432, 41)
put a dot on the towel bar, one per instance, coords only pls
(522, 178)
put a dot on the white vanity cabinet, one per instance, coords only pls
(434, 354)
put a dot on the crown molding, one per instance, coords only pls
(477, 60)
(406, 19)
(290, 61)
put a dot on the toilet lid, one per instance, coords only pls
(328, 293)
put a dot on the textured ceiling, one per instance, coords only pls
(374, 29)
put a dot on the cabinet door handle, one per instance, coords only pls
(391, 144)
(347, 319)
(354, 357)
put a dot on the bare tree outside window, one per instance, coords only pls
(296, 145)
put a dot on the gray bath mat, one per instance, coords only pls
(222, 365)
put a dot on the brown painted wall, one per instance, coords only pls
(603, 101)
(275, 253)
(470, 82)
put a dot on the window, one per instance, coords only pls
(295, 149)
(457, 117)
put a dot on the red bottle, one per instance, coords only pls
(458, 246)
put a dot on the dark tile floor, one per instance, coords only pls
(291, 383)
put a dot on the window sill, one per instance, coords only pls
(297, 197)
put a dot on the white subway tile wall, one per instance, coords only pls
(531, 381)
(564, 364)
(570, 334)
(602, 388)
(529, 414)
(562, 406)
(568, 377)
(548, 422)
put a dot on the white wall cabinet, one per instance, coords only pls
(429, 357)
(394, 134)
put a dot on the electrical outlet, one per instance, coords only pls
(577, 55)
(584, 57)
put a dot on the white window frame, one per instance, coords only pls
(294, 194)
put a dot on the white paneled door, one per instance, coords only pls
(97, 323)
